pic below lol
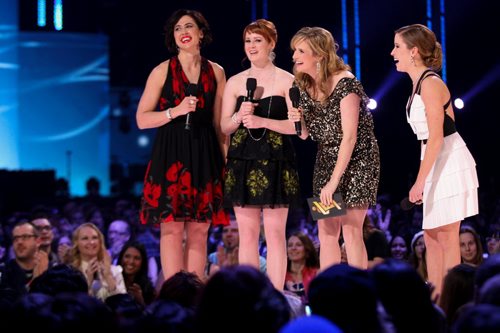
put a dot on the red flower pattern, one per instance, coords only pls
(180, 200)
(173, 171)
(152, 193)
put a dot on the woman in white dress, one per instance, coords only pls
(447, 182)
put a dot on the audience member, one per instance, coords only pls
(183, 288)
(28, 263)
(302, 264)
(227, 252)
(471, 250)
(417, 255)
(482, 318)
(89, 255)
(118, 235)
(134, 263)
(346, 296)
(60, 279)
(458, 289)
(44, 228)
(376, 244)
(406, 298)
(248, 300)
(399, 247)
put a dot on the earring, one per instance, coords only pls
(412, 61)
(318, 67)
(272, 56)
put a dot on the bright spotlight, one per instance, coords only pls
(372, 105)
(143, 141)
(459, 103)
(116, 112)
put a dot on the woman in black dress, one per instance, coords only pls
(261, 174)
(183, 182)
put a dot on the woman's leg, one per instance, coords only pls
(195, 250)
(328, 234)
(275, 231)
(171, 249)
(249, 229)
(352, 231)
(442, 252)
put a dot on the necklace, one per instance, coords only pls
(268, 108)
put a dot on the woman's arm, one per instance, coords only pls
(146, 115)
(283, 82)
(230, 120)
(220, 77)
(433, 93)
(349, 114)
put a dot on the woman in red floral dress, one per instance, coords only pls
(182, 186)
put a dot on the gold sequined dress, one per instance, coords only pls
(359, 182)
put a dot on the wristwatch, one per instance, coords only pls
(169, 116)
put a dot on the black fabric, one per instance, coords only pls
(448, 125)
(261, 168)
(183, 180)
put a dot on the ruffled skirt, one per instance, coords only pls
(450, 191)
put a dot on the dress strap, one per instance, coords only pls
(425, 74)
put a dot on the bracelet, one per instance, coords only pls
(169, 115)
(235, 119)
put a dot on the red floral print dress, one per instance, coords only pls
(183, 180)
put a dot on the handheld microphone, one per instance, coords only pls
(294, 94)
(191, 90)
(406, 204)
(251, 86)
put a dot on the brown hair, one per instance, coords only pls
(200, 21)
(324, 46)
(311, 255)
(478, 258)
(421, 37)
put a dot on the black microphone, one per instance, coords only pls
(251, 86)
(294, 94)
(406, 204)
(191, 90)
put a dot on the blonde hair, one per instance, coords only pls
(75, 252)
(323, 45)
(421, 37)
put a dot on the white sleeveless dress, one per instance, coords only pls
(450, 191)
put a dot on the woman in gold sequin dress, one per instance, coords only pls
(261, 174)
(333, 110)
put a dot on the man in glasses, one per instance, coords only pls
(44, 228)
(29, 261)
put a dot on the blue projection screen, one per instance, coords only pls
(63, 106)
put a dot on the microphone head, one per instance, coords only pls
(192, 89)
(406, 204)
(294, 94)
(251, 84)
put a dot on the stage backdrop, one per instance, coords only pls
(59, 107)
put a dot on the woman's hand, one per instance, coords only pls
(252, 121)
(187, 105)
(92, 268)
(326, 194)
(295, 115)
(246, 108)
(136, 292)
(416, 192)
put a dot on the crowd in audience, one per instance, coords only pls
(93, 256)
